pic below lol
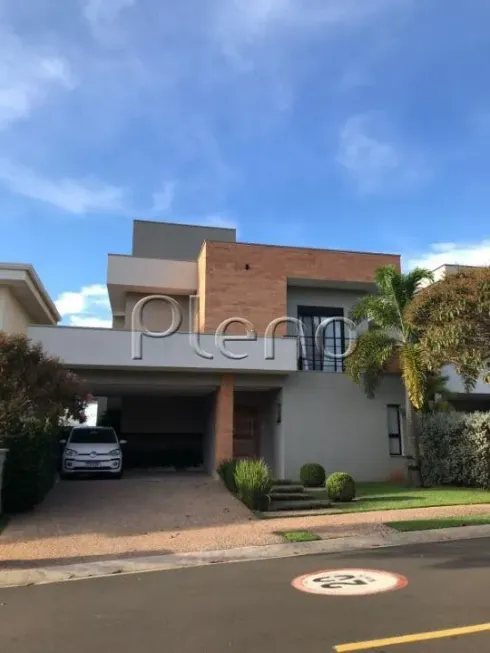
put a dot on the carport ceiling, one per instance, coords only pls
(121, 390)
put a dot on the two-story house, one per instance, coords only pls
(218, 340)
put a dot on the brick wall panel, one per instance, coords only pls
(259, 294)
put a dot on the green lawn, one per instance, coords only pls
(299, 536)
(442, 522)
(385, 496)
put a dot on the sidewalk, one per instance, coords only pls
(24, 548)
(139, 565)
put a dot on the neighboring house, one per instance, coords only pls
(269, 397)
(479, 397)
(23, 299)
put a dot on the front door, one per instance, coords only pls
(246, 432)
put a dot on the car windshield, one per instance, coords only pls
(93, 436)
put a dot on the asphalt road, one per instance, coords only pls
(252, 607)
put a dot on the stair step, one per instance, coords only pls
(299, 505)
(287, 489)
(289, 496)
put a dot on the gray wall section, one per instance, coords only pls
(157, 314)
(177, 242)
(327, 419)
(333, 298)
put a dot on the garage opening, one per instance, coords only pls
(168, 432)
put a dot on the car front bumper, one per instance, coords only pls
(106, 466)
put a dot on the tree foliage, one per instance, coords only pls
(452, 318)
(389, 335)
(35, 386)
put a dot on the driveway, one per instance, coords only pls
(143, 515)
(99, 519)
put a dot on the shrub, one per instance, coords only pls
(312, 475)
(253, 483)
(30, 468)
(455, 448)
(341, 487)
(226, 471)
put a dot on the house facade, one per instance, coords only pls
(213, 342)
(229, 349)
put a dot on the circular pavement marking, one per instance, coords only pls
(349, 582)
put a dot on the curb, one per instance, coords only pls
(167, 562)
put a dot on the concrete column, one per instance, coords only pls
(3, 455)
(223, 428)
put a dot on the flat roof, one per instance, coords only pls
(32, 293)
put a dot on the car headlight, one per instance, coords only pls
(115, 452)
(69, 453)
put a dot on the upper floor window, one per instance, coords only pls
(331, 338)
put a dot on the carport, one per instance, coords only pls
(167, 420)
(189, 421)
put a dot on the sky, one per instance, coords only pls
(344, 124)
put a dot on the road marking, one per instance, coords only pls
(410, 639)
(349, 582)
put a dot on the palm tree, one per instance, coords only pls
(389, 337)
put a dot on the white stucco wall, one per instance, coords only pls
(13, 317)
(327, 419)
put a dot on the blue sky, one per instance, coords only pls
(356, 124)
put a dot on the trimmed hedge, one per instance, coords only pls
(30, 468)
(312, 475)
(455, 448)
(341, 487)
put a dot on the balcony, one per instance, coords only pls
(108, 348)
(148, 275)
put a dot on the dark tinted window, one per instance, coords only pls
(93, 436)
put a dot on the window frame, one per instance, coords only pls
(317, 362)
(395, 436)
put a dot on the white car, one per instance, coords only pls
(93, 449)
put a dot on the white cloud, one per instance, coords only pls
(89, 307)
(27, 75)
(73, 195)
(374, 159)
(451, 253)
(164, 198)
(248, 19)
(102, 17)
(89, 322)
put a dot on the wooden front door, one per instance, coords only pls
(246, 432)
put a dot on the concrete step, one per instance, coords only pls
(311, 504)
(287, 489)
(289, 496)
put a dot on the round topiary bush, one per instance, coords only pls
(341, 487)
(312, 475)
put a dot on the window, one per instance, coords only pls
(394, 431)
(327, 357)
(98, 435)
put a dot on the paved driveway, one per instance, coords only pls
(143, 515)
(91, 519)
